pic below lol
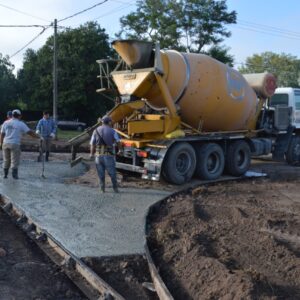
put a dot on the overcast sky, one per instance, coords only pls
(271, 25)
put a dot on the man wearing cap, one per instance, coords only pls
(102, 144)
(47, 129)
(10, 140)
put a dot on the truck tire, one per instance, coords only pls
(293, 153)
(238, 158)
(210, 161)
(180, 163)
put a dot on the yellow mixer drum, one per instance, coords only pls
(210, 95)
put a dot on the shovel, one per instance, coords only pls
(43, 158)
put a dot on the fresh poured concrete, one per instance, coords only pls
(84, 221)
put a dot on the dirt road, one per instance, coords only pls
(236, 240)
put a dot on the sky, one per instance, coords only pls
(270, 25)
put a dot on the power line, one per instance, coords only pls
(44, 28)
(269, 28)
(69, 17)
(243, 27)
(121, 7)
(82, 11)
(23, 26)
(22, 12)
(31, 41)
(115, 10)
(31, 26)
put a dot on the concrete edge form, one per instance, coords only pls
(83, 277)
(160, 287)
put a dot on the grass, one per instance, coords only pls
(67, 134)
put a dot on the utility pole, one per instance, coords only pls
(55, 72)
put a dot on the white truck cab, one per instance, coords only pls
(288, 97)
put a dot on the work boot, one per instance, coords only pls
(47, 156)
(5, 173)
(15, 174)
(115, 188)
(115, 184)
(102, 188)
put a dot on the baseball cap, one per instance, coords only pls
(106, 119)
(16, 112)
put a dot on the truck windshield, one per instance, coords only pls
(279, 99)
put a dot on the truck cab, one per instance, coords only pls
(288, 97)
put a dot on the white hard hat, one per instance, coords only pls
(16, 112)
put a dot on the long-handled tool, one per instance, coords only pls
(43, 158)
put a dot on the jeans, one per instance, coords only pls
(106, 162)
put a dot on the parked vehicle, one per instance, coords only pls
(71, 125)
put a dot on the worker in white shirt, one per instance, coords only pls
(10, 141)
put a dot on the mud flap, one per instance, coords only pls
(282, 144)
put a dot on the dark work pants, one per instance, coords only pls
(106, 162)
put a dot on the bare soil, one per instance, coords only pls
(235, 240)
(126, 274)
(26, 273)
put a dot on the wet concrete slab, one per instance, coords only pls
(83, 220)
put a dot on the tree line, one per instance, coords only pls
(197, 26)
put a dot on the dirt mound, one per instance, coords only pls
(230, 241)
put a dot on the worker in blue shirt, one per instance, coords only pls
(46, 127)
(102, 144)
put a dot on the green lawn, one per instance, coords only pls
(67, 134)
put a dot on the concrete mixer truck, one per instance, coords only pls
(182, 115)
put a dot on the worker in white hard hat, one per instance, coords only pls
(10, 140)
(103, 139)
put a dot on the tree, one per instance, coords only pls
(186, 25)
(78, 50)
(221, 53)
(8, 95)
(202, 22)
(285, 67)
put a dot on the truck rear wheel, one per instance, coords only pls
(180, 163)
(238, 158)
(210, 161)
(293, 153)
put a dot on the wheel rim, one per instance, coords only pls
(183, 163)
(241, 159)
(213, 163)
